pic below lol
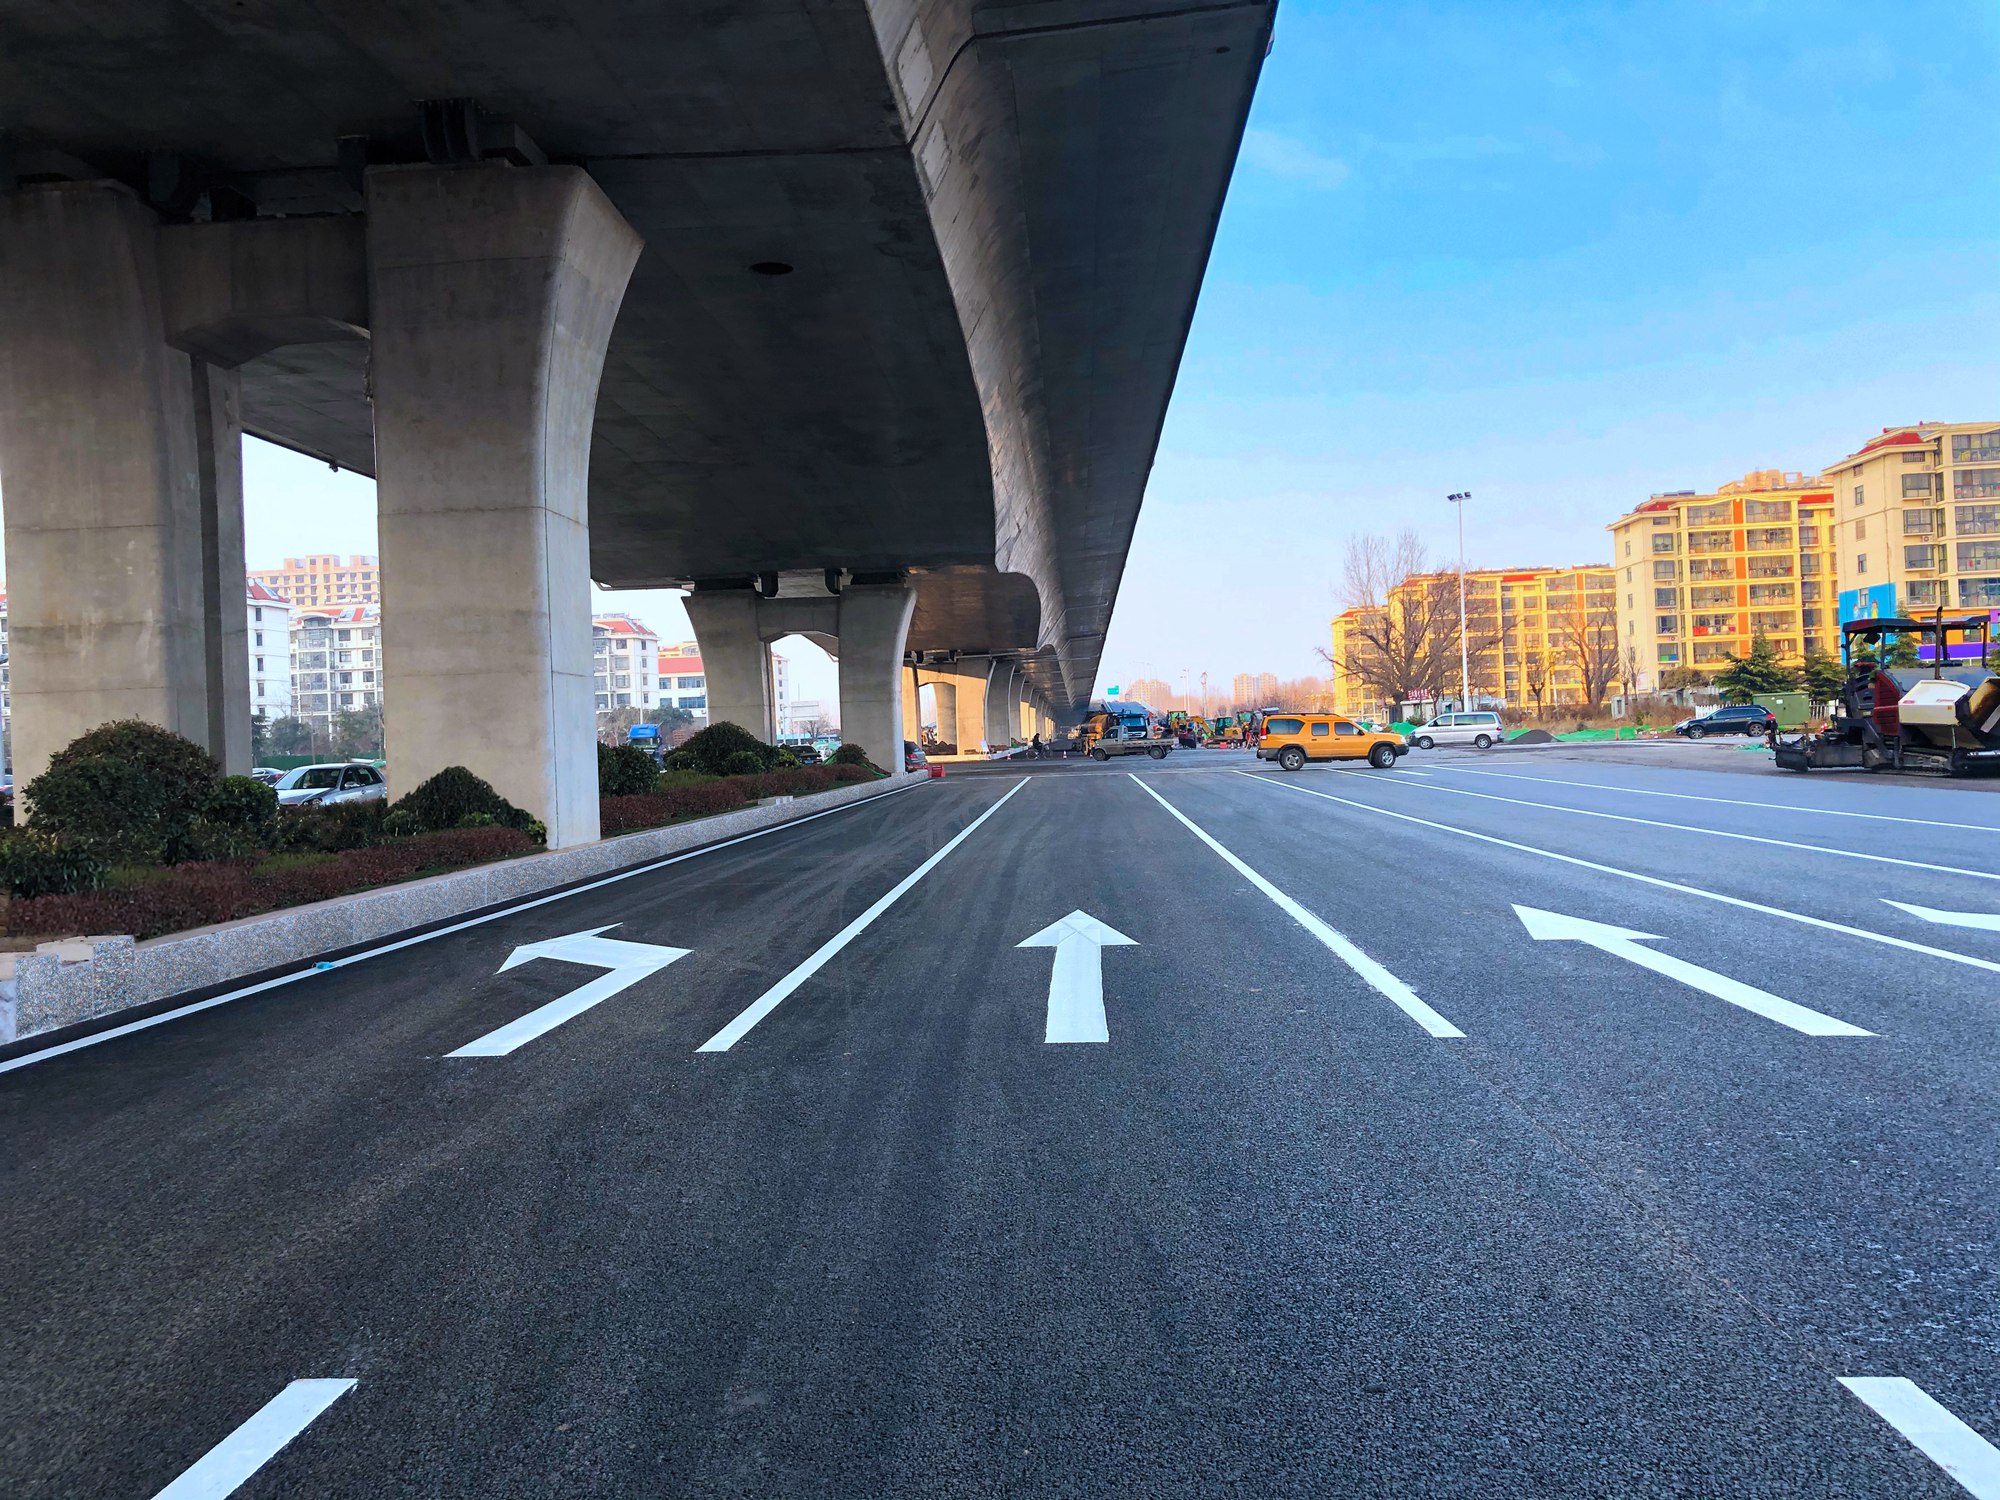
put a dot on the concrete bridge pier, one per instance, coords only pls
(1002, 702)
(492, 294)
(944, 700)
(874, 625)
(737, 657)
(121, 461)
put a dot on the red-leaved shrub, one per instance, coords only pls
(704, 798)
(195, 895)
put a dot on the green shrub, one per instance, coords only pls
(744, 763)
(624, 771)
(246, 803)
(786, 759)
(712, 749)
(35, 862)
(330, 829)
(851, 755)
(677, 760)
(126, 791)
(210, 839)
(451, 797)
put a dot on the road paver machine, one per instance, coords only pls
(1943, 716)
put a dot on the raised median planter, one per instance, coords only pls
(63, 983)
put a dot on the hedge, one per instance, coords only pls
(705, 798)
(195, 895)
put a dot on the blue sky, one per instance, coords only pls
(1563, 256)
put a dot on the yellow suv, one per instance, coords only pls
(1293, 739)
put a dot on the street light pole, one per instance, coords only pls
(1464, 659)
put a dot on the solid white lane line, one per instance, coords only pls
(1715, 833)
(1822, 923)
(770, 1000)
(9, 1064)
(1932, 1431)
(1636, 791)
(225, 1467)
(1399, 993)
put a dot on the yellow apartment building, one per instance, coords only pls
(1701, 576)
(324, 580)
(1917, 520)
(1538, 638)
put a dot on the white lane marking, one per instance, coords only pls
(1637, 791)
(225, 1467)
(628, 963)
(1822, 923)
(770, 1000)
(1076, 983)
(1374, 973)
(8, 1065)
(1623, 942)
(1717, 833)
(1931, 1430)
(1984, 921)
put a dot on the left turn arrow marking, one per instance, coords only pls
(626, 963)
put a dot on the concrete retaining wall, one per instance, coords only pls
(80, 980)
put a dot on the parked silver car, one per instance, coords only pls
(1475, 729)
(319, 785)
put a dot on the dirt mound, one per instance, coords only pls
(1533, 737)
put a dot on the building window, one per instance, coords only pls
(1978, 557)
(260, 666)
(1860, 530)
(1809, 563)
(1666, 625)
(1975, 447)
(1921, 559)
(1861, 565)
(1924, 591)
(1668, 653)
(260, 690)
(1706, 652)
(1809, 592)
(1857, 494)
(1984, 592)
(1628, 546)
(1666, 598)
(1764, 538)
(1767, 510)
(1916, 484)
(1710, 515)
(1712, 598)
(1666, 572)
(1711, 541)
(1809, 618)
(1975, 482)
(1715, 624)
(1976, 520)
(1922, 522)
(1808, 537)
(1663, 541)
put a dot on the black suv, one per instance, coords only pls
(1737, 718)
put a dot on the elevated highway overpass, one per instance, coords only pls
(858, 318)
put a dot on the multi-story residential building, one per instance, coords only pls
(325, 581)
(624, 656)
(270, 641)
(336, 661)
(1916, 520)
(1701, 576)
(1243, 690)
(1535, 637)
(683, 682)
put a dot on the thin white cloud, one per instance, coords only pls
(1284, 156)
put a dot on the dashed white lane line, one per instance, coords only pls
(8, 1065)
(772, 998)
(225, 1467)
(1399, 993)
(1822, 923)
(1789, 807)
(1932, 1430)
(1714, 833)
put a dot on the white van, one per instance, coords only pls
(1475, 729)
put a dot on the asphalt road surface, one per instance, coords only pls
(1489, 1126)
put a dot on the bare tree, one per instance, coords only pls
(1404, 643)
(1588, 640)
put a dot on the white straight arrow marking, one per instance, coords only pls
(229, 1464)
(1985, 921)
(1623, 942)
(1932, 1430)
(1076, 984)
(628, 963)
